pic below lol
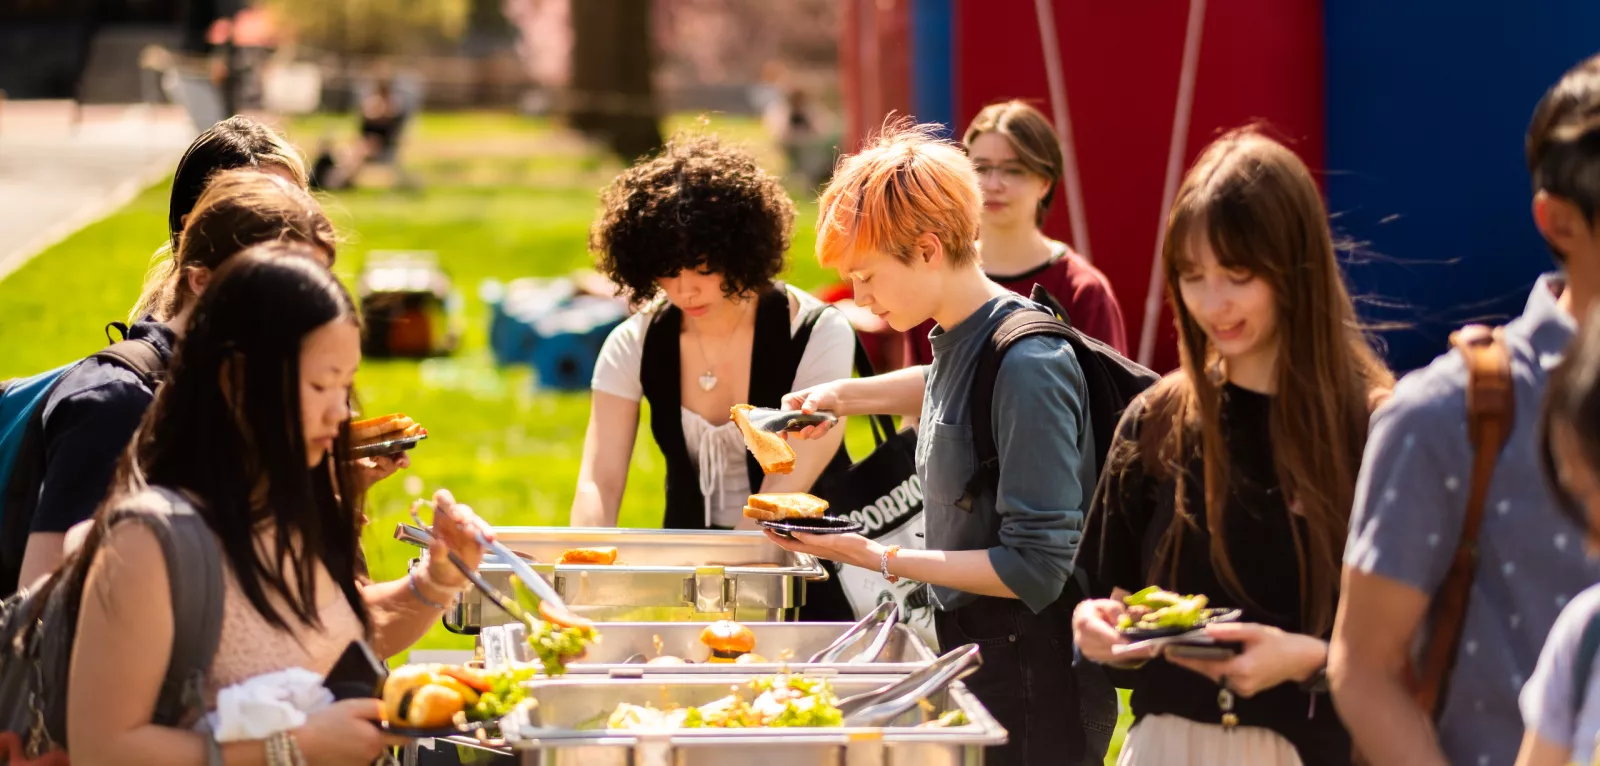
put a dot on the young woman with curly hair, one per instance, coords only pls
(695, 237)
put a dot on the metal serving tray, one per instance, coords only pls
(548, 732)
(661, 576)
(905, 651)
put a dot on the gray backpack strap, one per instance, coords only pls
(194, 568)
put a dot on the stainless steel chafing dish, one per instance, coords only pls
(661, 576)
(903, 652)
(555, 730)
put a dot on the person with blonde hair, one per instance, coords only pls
(899, 220)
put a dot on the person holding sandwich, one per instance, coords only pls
(900, 221)
(695, 238)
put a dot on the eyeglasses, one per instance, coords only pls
(1009, 174)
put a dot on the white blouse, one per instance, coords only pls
(718, 448)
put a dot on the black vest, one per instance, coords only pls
(774, 358)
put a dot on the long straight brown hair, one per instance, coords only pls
(1255, 203)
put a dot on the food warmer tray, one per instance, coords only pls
(661, 576)
(553, 731)
(904, 652)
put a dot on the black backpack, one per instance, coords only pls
(1112, 381)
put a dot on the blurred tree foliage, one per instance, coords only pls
(374, 27)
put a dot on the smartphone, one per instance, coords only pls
(1202, 651)
(358, 673)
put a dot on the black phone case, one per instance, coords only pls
(358, 674)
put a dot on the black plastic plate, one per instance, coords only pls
(393, 447)
(1207, 616)
(821, 525)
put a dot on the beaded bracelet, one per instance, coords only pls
(283, 750)
(883, 563)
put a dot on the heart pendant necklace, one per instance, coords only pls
(708, 379)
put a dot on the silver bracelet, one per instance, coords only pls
(411, 581)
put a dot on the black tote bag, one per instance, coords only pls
(884, 494)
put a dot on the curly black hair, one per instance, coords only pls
(700, 204)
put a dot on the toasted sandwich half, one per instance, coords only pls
(777, 506)
(771, 451)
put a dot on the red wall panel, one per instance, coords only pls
(1260, 60)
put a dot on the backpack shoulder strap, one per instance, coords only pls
(1491, 414)
(139, 357)
(197, 597)
(1019, 324)
(1588, 647)
(1043, 297)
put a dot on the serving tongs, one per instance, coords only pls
(422, 538)
(551, 607)
(886, 616)
(879, 707)
(778, 421)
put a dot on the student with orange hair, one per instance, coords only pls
(900, 220)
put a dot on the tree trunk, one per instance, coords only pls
(613, 98)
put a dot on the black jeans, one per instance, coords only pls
(1055, 713)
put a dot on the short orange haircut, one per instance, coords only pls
(905, 182)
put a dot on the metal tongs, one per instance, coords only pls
(422, 538)
(778, 421)
(551, 607)
(878, 708)
(887, 613)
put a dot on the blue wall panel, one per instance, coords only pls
(932, 89)
(1428, 103)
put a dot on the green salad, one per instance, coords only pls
(506, 689)
(555, 645)
(1154, 608)
(783, 701)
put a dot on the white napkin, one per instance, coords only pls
(262, 706)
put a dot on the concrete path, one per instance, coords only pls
(62, 169)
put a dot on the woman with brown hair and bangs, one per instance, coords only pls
(1234, 476)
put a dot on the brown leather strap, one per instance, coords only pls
(1491, 414)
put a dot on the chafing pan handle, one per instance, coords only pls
(652, 749)
(711, 590)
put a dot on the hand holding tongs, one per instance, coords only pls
(887, 613)
(551, 607)
(878, 708)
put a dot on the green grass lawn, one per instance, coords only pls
(502, 197)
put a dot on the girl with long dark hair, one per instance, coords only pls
(252, 428)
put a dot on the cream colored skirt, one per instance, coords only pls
(1167, 740)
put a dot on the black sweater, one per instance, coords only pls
(1132, 511)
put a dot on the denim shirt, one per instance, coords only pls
(1410, 500)
(1031, 526)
